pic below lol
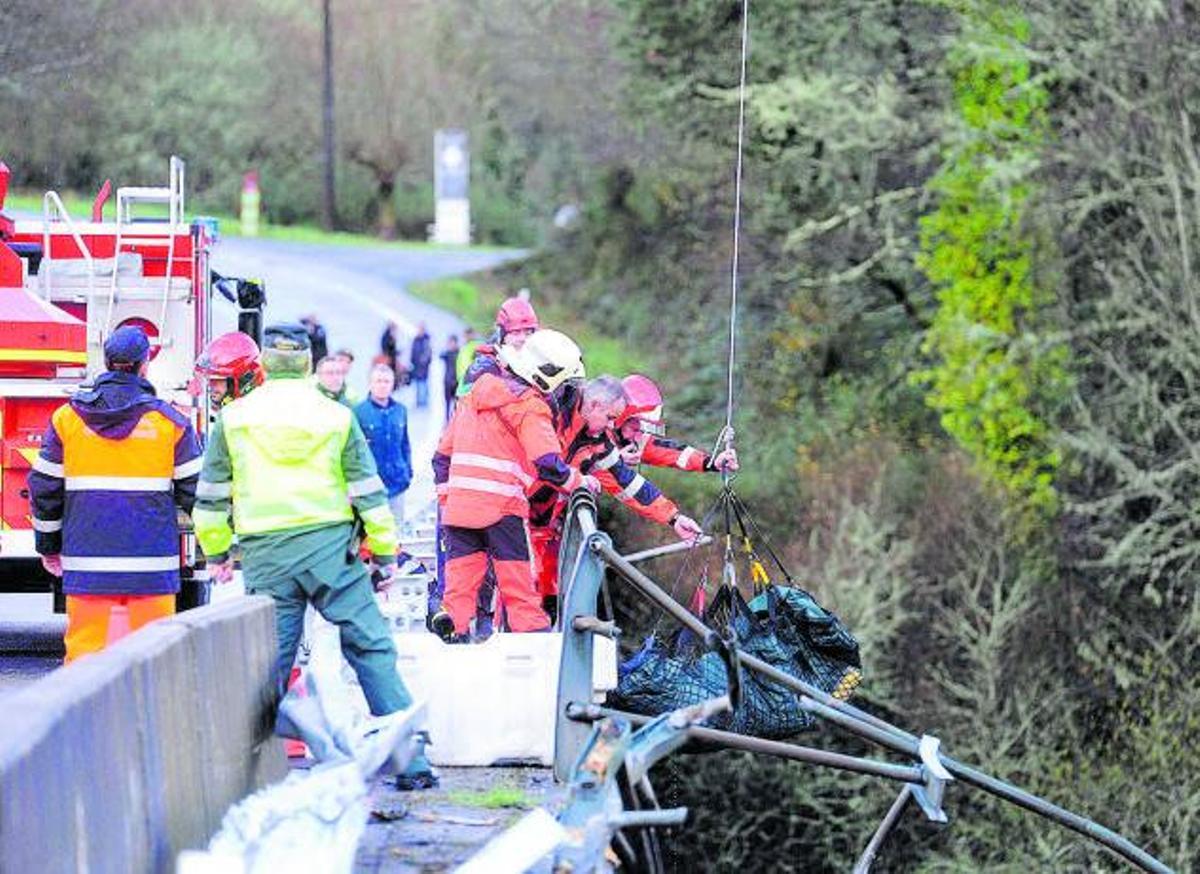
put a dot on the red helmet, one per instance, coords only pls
(516, 314)
(644, 402)
(234, 357)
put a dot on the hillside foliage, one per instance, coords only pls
(967, 394)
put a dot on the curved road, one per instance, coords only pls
(354, 291)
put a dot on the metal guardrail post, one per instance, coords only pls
(581, 572)
(779, 749)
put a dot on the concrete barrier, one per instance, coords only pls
(122, 759)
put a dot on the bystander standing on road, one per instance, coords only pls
(389, 347)
(449, 357)
(421, 355)
(466, 355)
(345, 360)
(384, 421)
(316, 337)
(331, 380)
(116, 464)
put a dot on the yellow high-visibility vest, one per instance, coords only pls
(285, 444)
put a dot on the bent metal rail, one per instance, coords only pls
(605, 761)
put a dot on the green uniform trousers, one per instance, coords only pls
(341, 591)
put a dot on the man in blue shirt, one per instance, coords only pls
(384, 421)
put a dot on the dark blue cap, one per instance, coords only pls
(126, 345)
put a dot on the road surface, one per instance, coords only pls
(354, 291)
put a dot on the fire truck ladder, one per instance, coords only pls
(127, 198)
(604, 755)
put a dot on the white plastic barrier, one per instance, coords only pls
(495, 700)
(487, 702)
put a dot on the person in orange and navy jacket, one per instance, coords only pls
(642, 434)
(116, 464)
(500, 442)
(584, 421)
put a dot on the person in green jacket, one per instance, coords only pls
(294, 468)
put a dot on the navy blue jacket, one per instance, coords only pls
(115, 464)
(421, 355)
(386, 429)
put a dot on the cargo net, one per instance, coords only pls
(784, 627)
(782, 624)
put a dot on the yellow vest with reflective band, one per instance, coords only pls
(285, 444)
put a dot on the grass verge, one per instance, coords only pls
(498, 798)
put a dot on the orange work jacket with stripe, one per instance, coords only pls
(500, 443)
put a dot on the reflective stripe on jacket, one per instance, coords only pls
(287, 457)
(116, 464)
(661, 452)
(499, 444)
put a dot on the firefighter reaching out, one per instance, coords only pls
(586, 425)
(643, 434)
(586, 418)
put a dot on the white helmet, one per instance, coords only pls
(546, 360)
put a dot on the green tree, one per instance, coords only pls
(401, 74)
(996, 382)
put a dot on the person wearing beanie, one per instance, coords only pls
(116, 464)
(294, 469)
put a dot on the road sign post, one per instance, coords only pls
(451, 177)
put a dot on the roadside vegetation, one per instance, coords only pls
(967, 395)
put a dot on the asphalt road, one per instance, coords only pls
(354, 291)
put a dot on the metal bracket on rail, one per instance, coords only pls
(595, 625)
(929, 795)
(668, 549)
(667, 733)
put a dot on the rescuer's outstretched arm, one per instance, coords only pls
(535, 430)
(637, 493)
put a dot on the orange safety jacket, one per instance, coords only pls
(661, 452)
(497, 448)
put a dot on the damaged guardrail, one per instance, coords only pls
(313, 820)
(587, 555)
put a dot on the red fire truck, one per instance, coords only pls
(65, 285)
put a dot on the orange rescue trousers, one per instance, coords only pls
(505, 546)
(89, 616)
